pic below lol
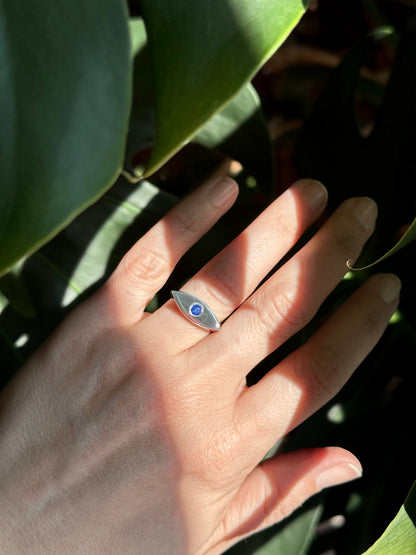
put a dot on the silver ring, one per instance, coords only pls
(196, 310)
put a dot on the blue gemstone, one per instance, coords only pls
(196, 309)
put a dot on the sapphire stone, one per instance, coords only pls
(196, 309)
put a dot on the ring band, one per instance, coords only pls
(196, 310)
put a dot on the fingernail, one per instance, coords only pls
(314, 193)
(388, 285)
(222, 191)
(365, 210)
(338, 475)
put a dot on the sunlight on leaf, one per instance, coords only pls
(336, 414)
(240, 131)
(138, 37)
(208, 52)
(400, 536)
(93, 263)
(3, 302)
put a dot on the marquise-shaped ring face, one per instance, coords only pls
(196, 311)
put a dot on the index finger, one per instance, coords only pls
(149, 263)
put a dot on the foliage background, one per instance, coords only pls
(353, 133)
(351, 127)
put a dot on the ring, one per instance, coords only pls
(196, 310)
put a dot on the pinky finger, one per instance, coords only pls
(280, 485)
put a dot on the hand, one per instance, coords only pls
(136, 433)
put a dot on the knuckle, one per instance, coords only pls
(273, 507)
(149, 265)
(188, 222)
(322, 370)
(216, 459)
(283, 306)
(228, 287)
(209, 455)
(373, 323)
(287, 225)
(351, 231)
(347, 242)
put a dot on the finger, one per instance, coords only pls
(286, 302)
(236, 271)
(149, 263)
(316, 371)
(280, 485)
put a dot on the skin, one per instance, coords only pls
(135, 433)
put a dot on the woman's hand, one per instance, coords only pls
(135, 433)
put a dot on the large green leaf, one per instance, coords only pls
(208, 52)
(239, 130)
(64, 105)
(400, 536)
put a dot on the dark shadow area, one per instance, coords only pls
(410, 505)
(381, 165)
(90, 438)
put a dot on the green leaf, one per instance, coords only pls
(64, 106)
(129, 211)
(409, 236)
(208, 52)
(290, 537)
(400, 536)
(138, 37)
(296, 537)
(240, 131)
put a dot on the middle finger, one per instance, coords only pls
(290, 298)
